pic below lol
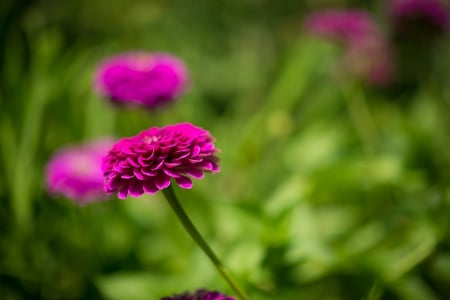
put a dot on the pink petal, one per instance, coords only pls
(166, 148)
(150, 187)
(162, 181)
(136, 189)
(184, 182)
(171, 173)
(149, 154)
(127, 176)
(132, 162)
(195, 160)
(172, 164)
(216, 168)
(158, 166)
(181, 154)
(144, 162)
(207, 166)
(123, 193)
(114, 182)
(118, 167)
(194, 173)
(148, 173)
(138, 174)
(195, 151)
(208, 147)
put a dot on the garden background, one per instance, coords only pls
(330, 188)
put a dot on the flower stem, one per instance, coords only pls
(361, 118)
(193, 232)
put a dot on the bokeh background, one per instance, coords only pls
(330, 188)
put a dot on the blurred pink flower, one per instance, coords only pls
(141, 79)
(75, 172)
(409, 15)
(200, 295)
(372, 60)
(341, 25)
(367, 52)
(147, 162)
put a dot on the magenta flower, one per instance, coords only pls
(341, 25)
(141, 79)
(367, 53)
(409, 15)
(146, 163)
(372, 60)
(75, 172)
(200, 295)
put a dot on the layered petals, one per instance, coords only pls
(141, 79)
(147, 162)
(200, 295)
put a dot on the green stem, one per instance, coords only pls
(361, 117)
(193, 232)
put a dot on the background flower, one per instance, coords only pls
(370, 59)
(418, 31)
(75, 172)
(200, 295)
(416, 16)
(140, 78)
(367, 52)
(341, 25)
(147, 162)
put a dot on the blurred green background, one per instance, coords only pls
(328, 189)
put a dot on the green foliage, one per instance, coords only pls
(328, 189)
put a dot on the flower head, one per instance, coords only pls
(341, 25)
(200, 295)
(367, 52)
(412, 15)
(372, 60)
(147, 162)
(75, 172)
(141, 79)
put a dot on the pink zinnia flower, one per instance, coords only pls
(142, 79)
(200, 295)
(367, 53)
(372, 60)
(410, 15)
(75, 172)
(341, 25)
(147, 162)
